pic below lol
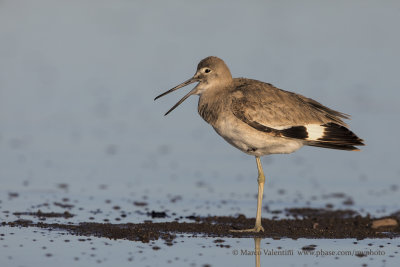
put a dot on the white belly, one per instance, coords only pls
(252, 141)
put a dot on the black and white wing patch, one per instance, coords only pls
(332, 135)
(329, 135)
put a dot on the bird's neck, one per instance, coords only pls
(210, 103)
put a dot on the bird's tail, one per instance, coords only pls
(336, 136)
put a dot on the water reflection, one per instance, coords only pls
(257, 241)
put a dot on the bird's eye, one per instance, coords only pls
(207, 70)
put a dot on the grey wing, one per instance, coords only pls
(271, 106)
(278, 112)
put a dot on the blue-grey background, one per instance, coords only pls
(78, 78)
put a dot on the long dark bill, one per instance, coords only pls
(191, 80)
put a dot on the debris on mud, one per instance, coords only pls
(308, 223)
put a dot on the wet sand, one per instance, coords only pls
(304, 223)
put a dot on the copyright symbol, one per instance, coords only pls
(234, 252)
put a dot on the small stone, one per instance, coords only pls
(388, 222)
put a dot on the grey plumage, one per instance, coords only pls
(276, 107)
(269, 109)
(260, 119)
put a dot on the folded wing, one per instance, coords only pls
(289, 115)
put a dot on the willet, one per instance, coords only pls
(260, 119)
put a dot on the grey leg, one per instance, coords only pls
(261, 180)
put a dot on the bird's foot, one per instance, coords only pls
(256, 229)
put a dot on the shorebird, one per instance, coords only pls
(261, 119)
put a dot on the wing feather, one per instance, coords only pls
(285, 114)
(273, 107)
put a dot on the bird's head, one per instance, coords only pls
(212, 73)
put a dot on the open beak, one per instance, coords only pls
(191, 80)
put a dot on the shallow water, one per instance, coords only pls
(56, 249)
(78, 121)
(49, 246)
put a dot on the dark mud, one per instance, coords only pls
(43, 215)
(307, 223)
